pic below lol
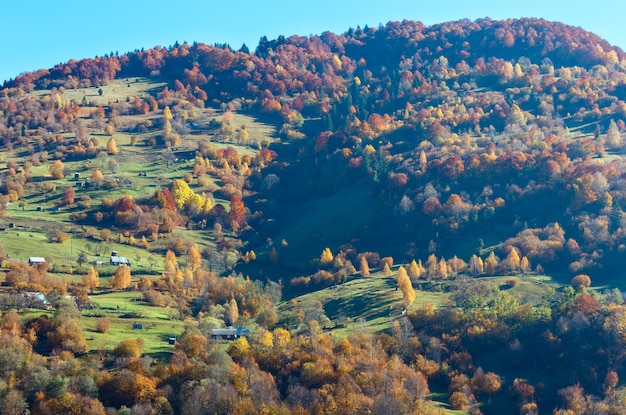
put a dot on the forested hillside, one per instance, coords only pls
(478, 164)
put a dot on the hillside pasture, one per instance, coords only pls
(23, 242)
(124, 309)
(117, 90)
(370, 304)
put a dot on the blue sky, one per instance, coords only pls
(41, 33)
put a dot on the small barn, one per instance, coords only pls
(231, 333)
(35, 299)
(34, 260)
(119, 260)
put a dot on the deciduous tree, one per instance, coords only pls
(404, 282)
(237, 212)
(57, 169)
(613, 137)
(194, 258)
(112, 147)
(231, 312)
(68, 195)
(97, 176)
(326, 257)
(91, 280)
(129, 348)
(68, 335)
(364, 268)
(581, 280)
(491, 263)
(121, 279)
(103, 325)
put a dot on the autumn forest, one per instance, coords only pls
(405, 219)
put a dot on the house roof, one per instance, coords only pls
(36, 259)
(233, 331)
(119, 260)
(37, 296)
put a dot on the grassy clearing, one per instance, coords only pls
(116, 90)
(529, 289)
(21, 243)
(158, 324)
(123, 309)
(370, 304)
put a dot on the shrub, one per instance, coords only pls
(155, 298)
(128, 348)
(103, 325)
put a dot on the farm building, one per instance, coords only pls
(119, 260)
(35, 299)
(34, 260)
(229, 334)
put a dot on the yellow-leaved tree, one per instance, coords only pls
(326, 257)
(491, 263)
(364, 268)
(170, 263)
(91, 280)
(194, 259)
(182, 193)
(112, 146)
(387, 270)
(57, 169)
(121, 278)
(404, 282)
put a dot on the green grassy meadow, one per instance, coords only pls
(123, 309)
(116, 90)
(371, 304)
(158, 323)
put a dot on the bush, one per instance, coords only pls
(128, 348)
(155, 298)
(103, 325)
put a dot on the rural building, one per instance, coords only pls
(35, 299)
(229, 334)
(34, 260)
(119, 260)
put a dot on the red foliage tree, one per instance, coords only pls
(237, 213)
(68, 195)
(431, 206)
(124, 204)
